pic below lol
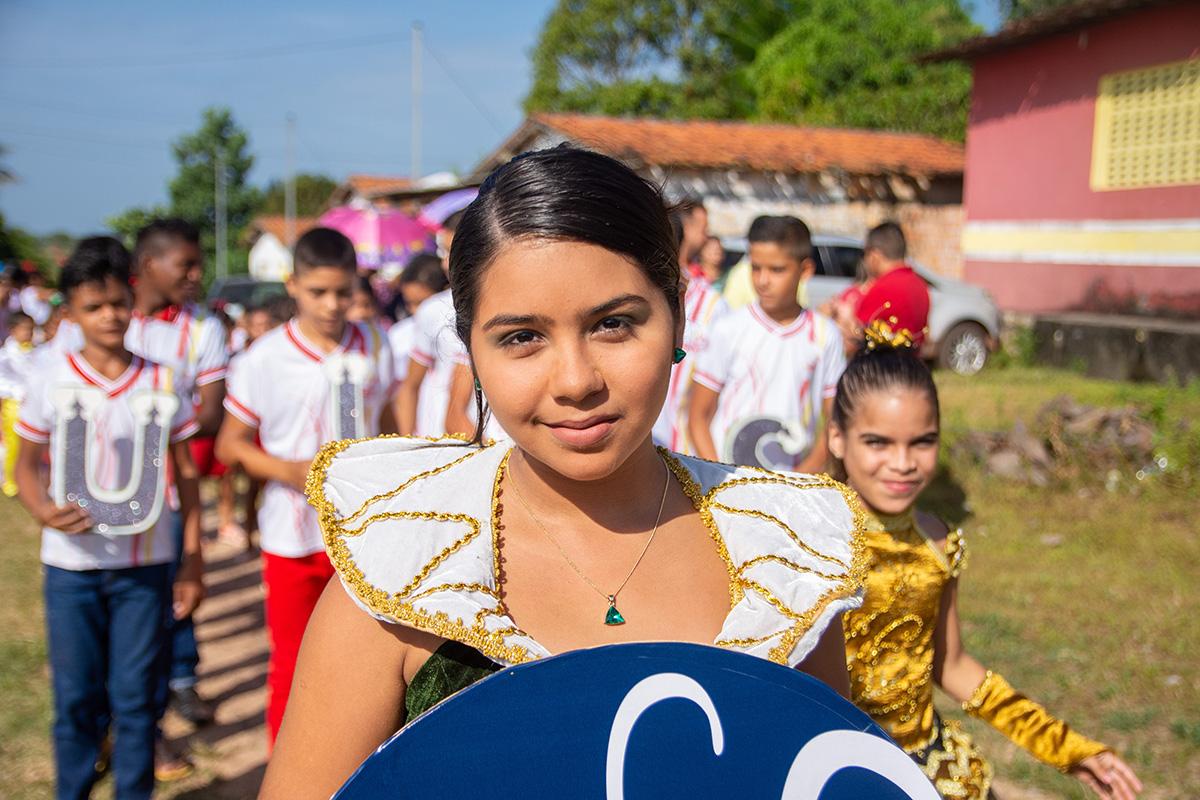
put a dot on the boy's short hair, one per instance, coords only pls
(887, 238)
(160, 234)
(425, 269)
(324, 247)
(789, 233)
(19, 318)
(95, 260)
(280, 308)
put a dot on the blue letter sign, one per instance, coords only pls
(639, 721)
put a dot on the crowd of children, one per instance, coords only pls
(125, 360)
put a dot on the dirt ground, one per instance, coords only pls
(230, 754)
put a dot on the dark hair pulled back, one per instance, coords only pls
(880, 368)
(564, 193)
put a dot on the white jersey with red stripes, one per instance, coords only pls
(189, 340)
(111, 451)
(770, 374)
(702, 307)
(299, 398)
(436, 347)
(400, 339)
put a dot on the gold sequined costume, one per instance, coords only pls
(890, 653)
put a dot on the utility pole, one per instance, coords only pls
(415, 166)
(289, 186)
(222, 236)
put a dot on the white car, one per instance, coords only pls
(964, 322)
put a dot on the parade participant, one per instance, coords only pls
(313, 380)
(16, 363)
(905, 638)
(107, 593)
(702, 307)
(897, 295)
(712, 262)
(693, 230)
(763, 388)
(421, 279)
(364, 306)
(579, 532)
(170, 328)
(425, 394)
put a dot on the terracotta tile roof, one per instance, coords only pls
(1058, 19)
(374, 185)
(780, 148)
(276, 224)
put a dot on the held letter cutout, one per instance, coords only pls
(347, 373)
(134, 507)
(639, 721)
(766, 442)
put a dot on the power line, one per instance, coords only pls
(467, 93)
(201, 57)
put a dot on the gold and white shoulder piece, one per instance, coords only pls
(409, 524)
(794, 546)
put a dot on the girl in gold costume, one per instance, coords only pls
(905, 638)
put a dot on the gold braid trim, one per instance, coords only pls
(398, 606)
(1029, 725)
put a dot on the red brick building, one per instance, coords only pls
(839, 181)
(1082, 178)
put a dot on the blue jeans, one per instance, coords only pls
(185, 656)
(107, 637)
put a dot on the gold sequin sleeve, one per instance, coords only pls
(956, 552)
(1029, 725)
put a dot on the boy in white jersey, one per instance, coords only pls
(313, 380)
(169, 328)
(109, 421)
(425, 394)
(764, 388)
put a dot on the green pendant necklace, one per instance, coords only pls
(612, 616)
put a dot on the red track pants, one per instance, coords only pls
(293, 586)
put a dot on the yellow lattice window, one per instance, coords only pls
(1148, 128)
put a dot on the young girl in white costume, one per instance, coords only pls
(576, 533)
(905, 638)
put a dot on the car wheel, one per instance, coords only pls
(965, 349)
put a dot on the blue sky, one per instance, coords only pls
(93, 93)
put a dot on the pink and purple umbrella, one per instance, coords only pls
(379, 237)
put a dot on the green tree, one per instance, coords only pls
(126, 224)
(18, 245)
(193, 189)
(631, 57)
(821, 62)
(855, 65)
(6, 174)
(312, 193)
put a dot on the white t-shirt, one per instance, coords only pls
(16, 368)
(436, 347)
(773, 380)
(191, 342)
(299, 398)
(400, 339)
(702, 307)
(114, 450)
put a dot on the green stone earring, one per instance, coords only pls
(478, 388)
(680, 355)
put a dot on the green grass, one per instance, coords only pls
(1101, 624)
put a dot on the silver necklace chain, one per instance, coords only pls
(611, 598)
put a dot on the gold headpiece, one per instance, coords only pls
(881, 333)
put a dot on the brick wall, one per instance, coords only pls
(934, 232)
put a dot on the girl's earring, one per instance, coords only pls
(680, 355)
(478, 388)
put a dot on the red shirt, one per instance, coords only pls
(899, 298)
